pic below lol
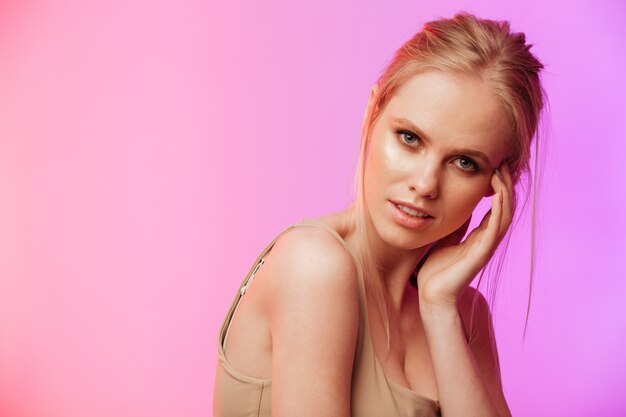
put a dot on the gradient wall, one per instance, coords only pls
(150, 150)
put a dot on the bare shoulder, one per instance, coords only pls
(306, 259)
(311, 301)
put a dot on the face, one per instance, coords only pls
(434, 146)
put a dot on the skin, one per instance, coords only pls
(425, 168)
(430, 355)
(453, 111)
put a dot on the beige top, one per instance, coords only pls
(372, 395)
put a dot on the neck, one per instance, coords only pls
(395, 265)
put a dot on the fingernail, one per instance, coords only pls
(499, 175)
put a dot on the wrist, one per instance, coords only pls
(430, 310)
(436, 302)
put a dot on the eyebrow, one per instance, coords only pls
(466, 151)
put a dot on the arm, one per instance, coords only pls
(467, 376)
(484, 347)
(313, 316)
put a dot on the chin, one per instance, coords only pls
(405, 239)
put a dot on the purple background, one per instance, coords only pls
(150, 150)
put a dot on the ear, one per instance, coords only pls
(370, 102)
(374, 90)
(369, 110)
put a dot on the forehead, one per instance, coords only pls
(454, 109)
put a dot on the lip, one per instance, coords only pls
(409, 205)
(407, 221)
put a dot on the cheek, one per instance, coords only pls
(465, 200)
(393, 166)
(380, 165)
(373, 178)
(395, 159)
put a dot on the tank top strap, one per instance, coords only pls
(234, 305)
(225, 327)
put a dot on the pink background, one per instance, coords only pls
(149, 152)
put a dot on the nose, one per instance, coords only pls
(425, 179)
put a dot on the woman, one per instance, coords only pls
(364, 312)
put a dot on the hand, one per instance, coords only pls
(450, 265)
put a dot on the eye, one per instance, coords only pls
(467, 164)
(407, 137)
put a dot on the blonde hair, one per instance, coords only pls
(466, 44)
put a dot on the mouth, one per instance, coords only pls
(411, 210)
(409, 217)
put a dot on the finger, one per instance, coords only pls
(508, 203)
(485, 237)
(502, 182)
(474, 234)
(492, 232)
